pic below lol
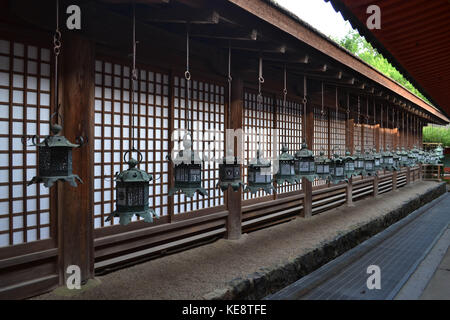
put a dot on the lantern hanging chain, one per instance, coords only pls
(187, 76)
(304, 106)
(367, 120)
(336, 125)
(359, 115)
(133, 81)
(322, 112)
(348, 118)
(284, 91)
(229, 79)
(56, 49)
(374, 121)
(260, 98)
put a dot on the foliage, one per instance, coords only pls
(358, 45)
(437, 135)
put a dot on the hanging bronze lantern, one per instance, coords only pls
(388, 159)
(286, 167)
(349, 162)
(230, 173)
(421, 156)
(337, 169)
(258, 178)
(132, 192)
(304, 163)
(323, 166)
(377, 160)
(359, 163)
(381, 157)
(188, 172)
(369, 164)
(403, 157)
(55, 159)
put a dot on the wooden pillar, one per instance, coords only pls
(75, 205)
(375, 185)
(408, 175)
(309, 138)
(234, 198)
(394, 180)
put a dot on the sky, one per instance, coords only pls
(320, 15)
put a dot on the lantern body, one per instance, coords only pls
(230, 174)
(55, 161)
(305, 166)
(188, 172)
(404, 162)
(337, 170)
(286, 167)
(258, 177)
(369, 164)
(349, 162)
(132, 192)
(323, 166)
(359, 164)
(388, 160)
(377, 160)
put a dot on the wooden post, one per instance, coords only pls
(394, 181)
(309, 138)
(75, 205)
(408, 175)
(375, 186)
(234, 198)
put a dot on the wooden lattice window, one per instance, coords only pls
(369, 141)
(24, 110)
(357, 142)
(337, 132)
(208, 115)
(112, 133)
(257, 123)
(289, 132)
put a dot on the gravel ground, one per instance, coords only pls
(193, 273)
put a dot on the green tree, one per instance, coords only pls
(358, 45)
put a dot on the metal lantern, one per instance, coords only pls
(403, 157)
(421, 156)
(286, 167)
(258, 177)
(349, 162)
(323, 166)
(230, 173)
(388, 159)
(377, 159)
(439, 153)
(305, 166)
(369, 164)
(132, 192)
(188, 172)
(55, 159)
(359, 163)
(337, 169)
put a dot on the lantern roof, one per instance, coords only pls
(368, 156)
(304, 152)
(133, 174)
(348, 156)
(259, 162)
(55, 140)
(183, 156)
(229, 158)
(285, 156)
(322, 158)
(376, 154)
(337, 158)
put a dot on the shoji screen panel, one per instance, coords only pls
(369, 141)
(289, 129)
(24, 110)
(320, 136)
(112, 133)
(257, 123)
(208, 115)
(357, 136)
(337, 131)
